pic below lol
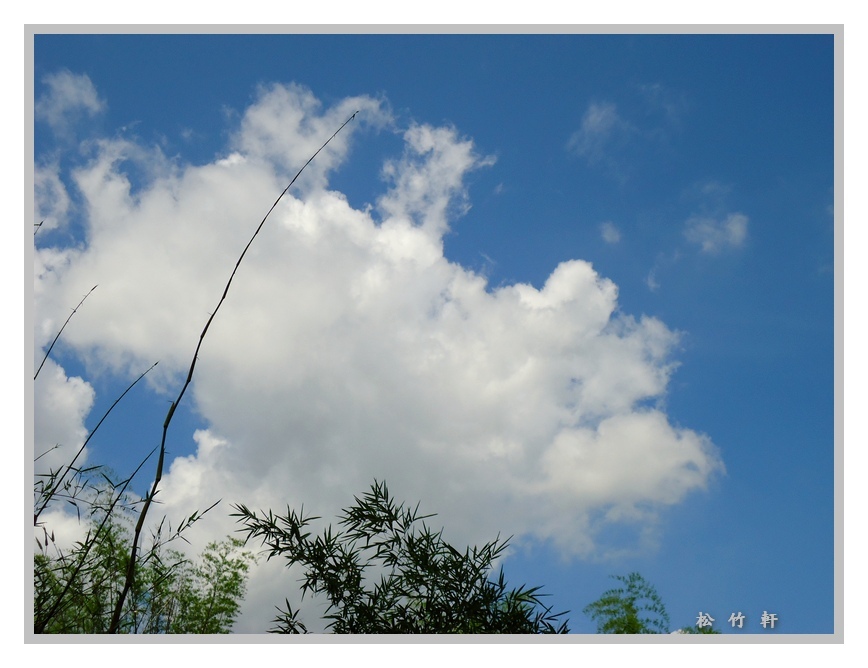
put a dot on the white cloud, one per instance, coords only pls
(428, 179)
(715, 234)
(59, 530)
(284, 127)
(610, 232)
(51, 198)
(67, 96)
(61, 404)
(350, 348)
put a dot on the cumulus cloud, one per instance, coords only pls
(715, 234)
(284, 127)
(61, 405)
(351, 348)
(67, 97)
(426, 182)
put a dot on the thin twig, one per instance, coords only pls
(113, 628)
(48, 352)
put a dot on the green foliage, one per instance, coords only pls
(76, 589)
(634, 608)
(385, 571)
(207, 594)
(73, 589)
(696, 630)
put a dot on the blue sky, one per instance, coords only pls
(575, 288)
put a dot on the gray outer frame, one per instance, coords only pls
(837, 30)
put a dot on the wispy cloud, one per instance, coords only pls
(50, 197)
(713, 226)
(608, 134)
(66, 98)
(610, 232)
(711, 230)
(715, 234)
(667, 105)
(601, 127)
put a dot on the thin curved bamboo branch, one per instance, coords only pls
(48, 352)
(113, 628)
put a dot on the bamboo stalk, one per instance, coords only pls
(113, 628)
